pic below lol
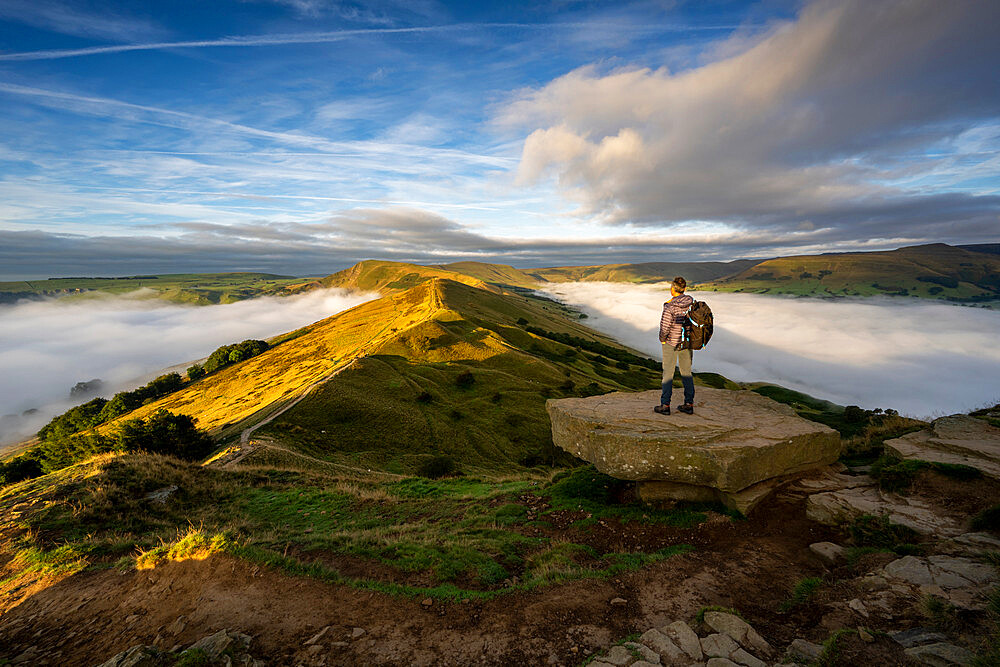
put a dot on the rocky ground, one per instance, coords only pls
(830, 570)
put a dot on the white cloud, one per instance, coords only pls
(814, 119)
(46, 347)
(918, 357)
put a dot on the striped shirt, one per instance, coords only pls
(672, 320)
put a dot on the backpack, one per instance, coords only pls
(698, 327)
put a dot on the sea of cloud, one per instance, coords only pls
(46, 347)
(922, 358)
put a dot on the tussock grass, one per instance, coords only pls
(802, 592)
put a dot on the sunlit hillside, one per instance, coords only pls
(932, 271)
(383, 276)
(441, 368)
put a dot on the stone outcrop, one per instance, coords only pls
(728, 640)
(736, 447)
(958, 439)
(847, 504)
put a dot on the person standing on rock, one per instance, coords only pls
(671, 336)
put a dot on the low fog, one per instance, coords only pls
(925, 359)
(46, 347)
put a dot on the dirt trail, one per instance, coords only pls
(749, 565)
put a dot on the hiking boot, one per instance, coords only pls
(687, 408)
(662, 409)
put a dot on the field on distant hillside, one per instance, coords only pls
(194, 288)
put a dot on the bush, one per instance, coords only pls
(195, 372)
(437, 467)
(896, 475)
(164, 433)
(424, 397)
(19, 469)
(465, 379)
(987, 519)
(235, 353)
(853, 414)
(877, 531)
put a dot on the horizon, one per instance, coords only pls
(323, 273)
(287, 136)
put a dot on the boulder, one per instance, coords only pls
(940, 655)
(957, 439)
(735, 448)
(828, 552)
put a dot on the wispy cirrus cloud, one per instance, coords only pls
(63, 17)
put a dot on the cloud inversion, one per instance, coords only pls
(872, 353)
(46, 347)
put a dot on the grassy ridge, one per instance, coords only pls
(932, 271)
(192, 288)
(649, 272)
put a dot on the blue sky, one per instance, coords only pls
(299, 136)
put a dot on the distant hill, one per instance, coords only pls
(650, 272)
(192, 288)
(936, 271)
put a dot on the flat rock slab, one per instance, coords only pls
(844, 506)
(958, 439)
(735, 440)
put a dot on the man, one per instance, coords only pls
(671, 336)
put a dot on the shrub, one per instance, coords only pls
(437, 467)
(195, 372)
(424, 397)
(869, 530)
(987, 519)
(19, 469)
(897, 475)
(164, 433)
(853, 414)
(804, 590)
(465, 379)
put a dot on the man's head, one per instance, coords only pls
(678, 286)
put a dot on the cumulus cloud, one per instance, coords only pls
(921, 358)
(46, 347)
(826, 120)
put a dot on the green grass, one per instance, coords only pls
(898, 475)
(878, 532)
(830, 655)
(802, 593)
(448, 538)
(587, 490)
(987, 519)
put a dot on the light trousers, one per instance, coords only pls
(673, 358)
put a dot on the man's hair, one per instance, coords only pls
(680, 284)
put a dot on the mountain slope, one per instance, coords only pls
(932, 271)
(441, 368)
(384, 276)
(649, 272)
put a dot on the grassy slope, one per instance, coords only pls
(382, 276)
(194, 288)
(404, 402)
(649, 272)
(871, 273)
